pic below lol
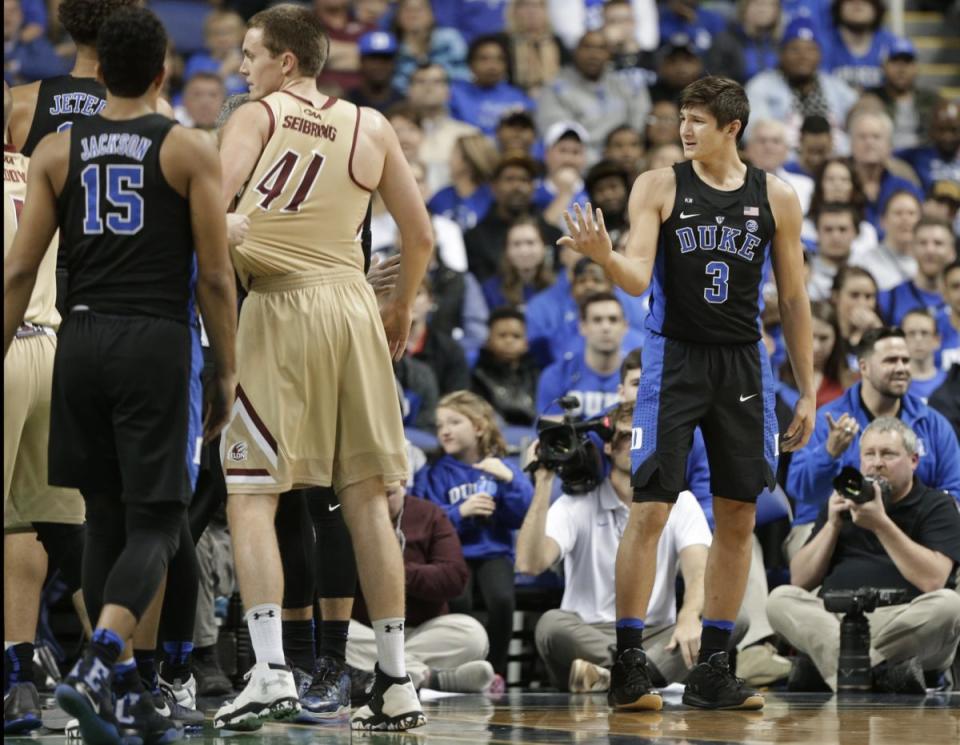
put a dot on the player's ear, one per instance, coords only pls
(734, 127)
(288, 63)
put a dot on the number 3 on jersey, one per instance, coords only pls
(126, 217)
(275, 180)
(717, 292)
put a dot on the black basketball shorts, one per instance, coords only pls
(729, 392)
(126, 407)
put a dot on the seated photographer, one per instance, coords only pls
(907, 539)
(884, 361)
(585, 531)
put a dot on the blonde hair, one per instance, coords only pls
(482, 416)
(480, 155)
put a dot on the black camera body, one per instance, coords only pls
(856, 487)
(566, 448)
(853, 667)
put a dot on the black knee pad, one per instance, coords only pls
(295, 538)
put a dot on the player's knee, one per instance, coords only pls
(159, 525)
(733, 518)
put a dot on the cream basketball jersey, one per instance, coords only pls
(304, 204)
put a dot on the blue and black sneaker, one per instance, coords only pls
(85, 695)
(21, 709)
(328, 697)
(140, 723)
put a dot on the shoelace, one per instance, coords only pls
(721, 674)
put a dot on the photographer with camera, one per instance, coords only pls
(584, 531)
(882, 391)
(885, 530)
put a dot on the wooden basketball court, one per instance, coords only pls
(561, 719)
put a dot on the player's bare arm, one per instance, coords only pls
(38, 225)
(399, 190)
(241, 143)
(787, 255)
(189, 160)
(21, 119)
(650, 203)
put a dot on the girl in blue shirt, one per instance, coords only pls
(486, 499)
(525, 268)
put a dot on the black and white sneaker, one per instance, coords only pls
(85, 695)
(168, 706)
(630, 686)
(712, 685)
(270, 694)
(141, 723)
(393, 705)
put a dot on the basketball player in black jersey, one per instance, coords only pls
(136, 199)
(700, 231)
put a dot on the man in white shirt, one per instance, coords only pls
(585, 531)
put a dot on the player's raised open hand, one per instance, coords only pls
(588, 234)
(801, 427)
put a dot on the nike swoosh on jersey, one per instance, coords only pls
(747, 398)
(332, 507)
(685, 216)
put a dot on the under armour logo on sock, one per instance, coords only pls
(266, 614)
(393, 627)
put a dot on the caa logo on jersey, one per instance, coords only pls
(752, 226)
(238, 451)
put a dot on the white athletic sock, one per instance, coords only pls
(389, 635)
(266, 632)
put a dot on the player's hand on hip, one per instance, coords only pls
(396, 319)
(843, 431)
(588, 234)
(382, 275)
(237, 227)
(800, 429)
(220, 394)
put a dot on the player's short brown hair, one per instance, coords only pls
(294, 29)
(724, 98)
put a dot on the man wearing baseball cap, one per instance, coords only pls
(797, 88)
(378, 51)
(908, 105)
(565, 158)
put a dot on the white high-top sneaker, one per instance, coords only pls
(270, 694)
(183, 692)
(393, 705)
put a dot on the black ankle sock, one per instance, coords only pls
(629, 637)
(18, 663)
(713, 639)
(298, 644)
(333, 639)
(176, 660)
(147, 667)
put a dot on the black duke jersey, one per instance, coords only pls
(709, 266)
(126, 234)
(60, 102)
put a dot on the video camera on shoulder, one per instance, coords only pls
(567, 448)
(853, 665)
(856, 487)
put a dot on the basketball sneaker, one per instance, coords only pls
(21, 709)
(470, 677)
(270, 694)
(85, 695)
(176, 702)
(393, 705)
(586, 677)
(630, 686)
(328, 695)
(712, 685)
(141, 723)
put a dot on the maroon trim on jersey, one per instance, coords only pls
(247, 472)
(353, 146)
(330, 102)
(273, 121)
(256, 419)
(9, 148)
(307, 101)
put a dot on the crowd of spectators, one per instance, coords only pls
(512, 111)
